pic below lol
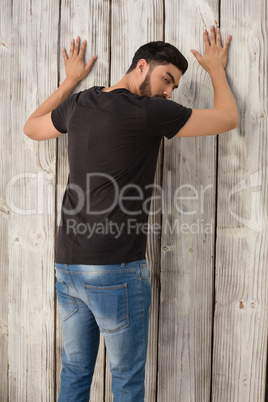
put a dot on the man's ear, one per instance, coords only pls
(142, 66)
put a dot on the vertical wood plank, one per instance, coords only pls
(90, 20)
(153, 257)
(30, 196)
(5, 64)
(241, 319)
(28, 49)
(135, 23)
(189, 183)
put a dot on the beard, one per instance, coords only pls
(145, 87)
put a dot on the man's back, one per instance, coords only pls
(113, 143)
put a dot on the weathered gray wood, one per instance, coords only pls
(186, 300)
(89, 20)
(133, 24)
(153, 256)
(5, 144)
(33, 73)
(179, 363)
(241, 319)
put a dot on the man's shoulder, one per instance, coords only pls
(92, 90)
(160, 104)
(87, 95)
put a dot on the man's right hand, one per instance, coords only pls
(215, 55)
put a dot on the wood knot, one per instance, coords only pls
(4, 210)
(37, 239)
(165, 248)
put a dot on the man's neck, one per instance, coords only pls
(126, 82)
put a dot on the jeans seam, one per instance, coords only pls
(103, 272)
(105, 287)
(74, 311)
(109, 331)
(71, 279)
(72, 302)
(141, 294)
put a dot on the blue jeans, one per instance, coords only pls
(114, 300)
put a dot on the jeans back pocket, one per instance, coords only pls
(109, 305)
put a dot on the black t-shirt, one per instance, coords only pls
(113, 144)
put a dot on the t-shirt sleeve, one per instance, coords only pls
(165, 117)
(61, 115)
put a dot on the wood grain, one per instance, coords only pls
(209, 276)
(5, 166)
(33, 73)
(241, 319)
(188, 225)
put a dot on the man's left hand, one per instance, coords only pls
(75, 67)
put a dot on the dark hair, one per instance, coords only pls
(159, 52)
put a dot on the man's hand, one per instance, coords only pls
(215, 55)
(39, 125)
(75, 67)
(224, 116)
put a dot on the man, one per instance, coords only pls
(114, 135)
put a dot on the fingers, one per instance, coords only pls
(215, 39)
(211, 40)
(206, 41)
(77, 45)
(83, 49)
(218, 37)
(65, 57)
(196, 54)
(91, 62)
(72, 48)
(228, 41)
(212, 36)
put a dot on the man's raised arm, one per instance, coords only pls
(39, 125)
(224, 116)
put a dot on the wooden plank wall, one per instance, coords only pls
(241, 318)
(187, 250)
(209, 323)
(29, 61)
